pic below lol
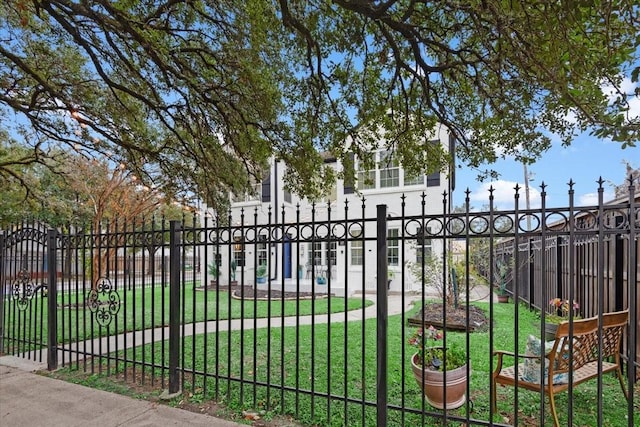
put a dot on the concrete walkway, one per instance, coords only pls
(70, 352)
(29, 399)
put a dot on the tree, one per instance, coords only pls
(202, 93)
(90, 193)
(157, 224)
(114, 199)
(18, 180)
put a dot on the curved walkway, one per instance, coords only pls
(72, 352)
(395, 305)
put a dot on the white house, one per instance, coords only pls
(296, 264)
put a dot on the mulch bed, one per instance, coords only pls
(456, 317)
(249, 292)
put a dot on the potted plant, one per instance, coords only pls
(261, 273)
(561, 310)
(503, 294)
(232, 271)
(390, 275)
(212, 268)
(435, 368)
(504, 270)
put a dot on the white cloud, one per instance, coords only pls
(634, 108)
(627, 87)
(589, 199)
(503, 195)
(504, 191)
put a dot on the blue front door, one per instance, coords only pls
(287, 257)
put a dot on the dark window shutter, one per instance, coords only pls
(348, 189)
(349, 184)
(266, 189)
(433, 180)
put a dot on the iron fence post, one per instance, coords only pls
(531, 275)
(618, 266)
(2, 291)
(632, 276)
(382, 316)
(52, 299)
(174, 306)
(559, 279)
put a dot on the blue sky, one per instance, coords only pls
(585, 161)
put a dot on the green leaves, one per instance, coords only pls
(197, 96)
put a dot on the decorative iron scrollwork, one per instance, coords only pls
(104, 301)
(23, 289)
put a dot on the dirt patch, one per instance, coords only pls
(220, 411)
(433, 314)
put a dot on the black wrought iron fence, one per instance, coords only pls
(185, 308)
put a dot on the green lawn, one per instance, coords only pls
(147, 308)
(323, 359)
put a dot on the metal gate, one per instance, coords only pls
(28, 268)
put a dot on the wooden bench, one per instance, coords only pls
(582, 363)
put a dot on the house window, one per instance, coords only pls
(322, 253)
(393, 248)
(247, 197)
(357, 246)
(262, 250)
(238, 251)
(331, 195)
(366, 180)
(389, 170)
(424, 248)
(357, 252)
(409, 180)
(314, 256)
(389, 178)
(333, 253)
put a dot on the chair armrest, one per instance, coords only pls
(501, 353)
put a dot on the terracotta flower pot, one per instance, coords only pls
(503, 298)
(433, 385)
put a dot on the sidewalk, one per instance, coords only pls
(32, 400)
